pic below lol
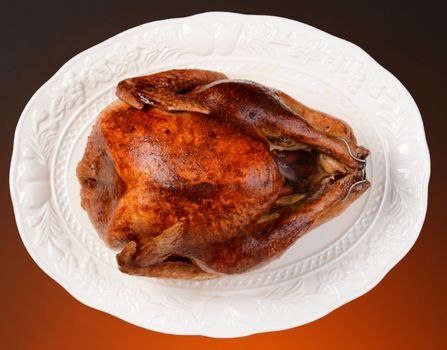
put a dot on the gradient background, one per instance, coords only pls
(407, 310)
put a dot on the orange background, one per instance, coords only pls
(407, 310)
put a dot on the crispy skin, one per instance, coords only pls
(179, 167)
(182, 176)
(101, 186)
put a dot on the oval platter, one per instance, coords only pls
(328, 267)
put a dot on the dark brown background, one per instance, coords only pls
(407, 310)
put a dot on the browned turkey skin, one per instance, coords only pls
(194, 175)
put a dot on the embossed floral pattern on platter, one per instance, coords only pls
(291, 295)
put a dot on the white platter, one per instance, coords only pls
(328, 267)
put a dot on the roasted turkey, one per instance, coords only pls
(193, 175)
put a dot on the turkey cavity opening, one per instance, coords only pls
(303, 173)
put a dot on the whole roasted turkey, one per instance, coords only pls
(194, 175)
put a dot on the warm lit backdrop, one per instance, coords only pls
(407, 310)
